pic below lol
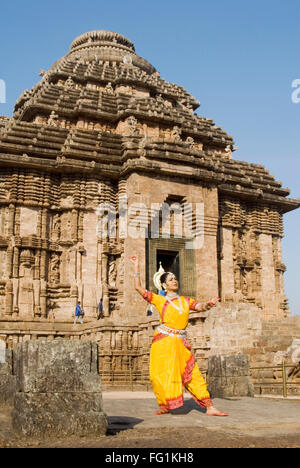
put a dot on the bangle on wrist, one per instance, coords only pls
(136, 275)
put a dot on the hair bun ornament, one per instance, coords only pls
(156, 277)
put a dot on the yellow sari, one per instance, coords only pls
(172, 365)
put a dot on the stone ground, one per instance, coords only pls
(253, 423)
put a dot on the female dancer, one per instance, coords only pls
(172, 364)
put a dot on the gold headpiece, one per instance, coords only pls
(156, 277)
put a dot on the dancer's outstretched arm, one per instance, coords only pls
(137, 280)
(207, 306)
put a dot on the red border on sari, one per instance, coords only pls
(148, 295)
(158, 337)
(204, 403)
(186, 343)
(187, 375)
(193, 305)
(174, 403)
(164, 408)
(164, 311)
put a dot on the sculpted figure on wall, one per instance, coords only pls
(54, 275)
(176, 133)
(56, 227)
(53, 119)
(112, 273)
(26, 290)
(133, 126)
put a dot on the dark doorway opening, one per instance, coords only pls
(169, 260)
(174, 257)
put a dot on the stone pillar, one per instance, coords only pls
(9, 297)
(11, 220)
(229, 376)
(58, 389)
(105, 285)
(9, 261)
(206, 256)
(269, 298)
(227, 267)
(43, 298)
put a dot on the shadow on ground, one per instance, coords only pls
(190, 405)
(117, 424)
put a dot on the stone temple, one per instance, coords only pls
(102, 142)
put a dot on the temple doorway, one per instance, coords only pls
(169, 260)
(174, 257)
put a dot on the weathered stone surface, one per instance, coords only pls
(229, 376)
(57, 366)
(6, 361)
(43, 382)
(39, 414)
(59, 389)
(7, 379)
(7, 389)
(234, 365)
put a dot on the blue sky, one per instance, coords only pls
(237, 58)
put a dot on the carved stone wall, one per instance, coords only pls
(91, 155)
(251, 256)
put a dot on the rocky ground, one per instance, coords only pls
(252, 423)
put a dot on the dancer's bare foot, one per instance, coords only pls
(212, 411)
(162, 411)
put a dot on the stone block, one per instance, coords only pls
(59, 381)
(63, 414)
(228, 365)
(223, 387)
(229, 376)
(67, 356)
(7, 389)
(6, 361)
(57, 366)
(58, 389)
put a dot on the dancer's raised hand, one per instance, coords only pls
(134, 259)
(214, 301)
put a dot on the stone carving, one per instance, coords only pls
(133, 126)
(109, 89)
(54, 275)
(69, 83)
(142, 146)
(176, 133)
(190, 141)
(53, 119)
(127, 60)
(56, 227)
(112, 273)
(26, 261)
